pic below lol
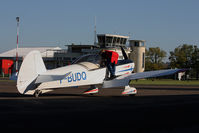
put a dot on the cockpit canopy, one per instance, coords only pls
(96, 58)
(93, 58)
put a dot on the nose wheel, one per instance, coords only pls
(131, 91)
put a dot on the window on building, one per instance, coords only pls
(143, 60)
(142, 44)
(101, 39)
(109, 39)
(121, 40)
(114, 39)
(118, 40)
(124, 42)
(137, 44)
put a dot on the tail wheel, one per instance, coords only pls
(37, 93)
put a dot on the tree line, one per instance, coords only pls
(183, 56)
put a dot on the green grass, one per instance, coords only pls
(6, 79)
(165, 82)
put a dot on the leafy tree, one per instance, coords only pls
(154, 58)
(181, 56)
(195, 62)
(185, 56)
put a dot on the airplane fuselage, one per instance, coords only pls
(33, 75)
(82, 75)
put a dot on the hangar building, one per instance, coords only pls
(8, 58)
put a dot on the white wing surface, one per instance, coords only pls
(124, 80)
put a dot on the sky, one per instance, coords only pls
(162, 23)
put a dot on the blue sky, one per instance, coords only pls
(163, 23)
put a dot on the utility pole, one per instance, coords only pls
(17, 18)
(95, 33)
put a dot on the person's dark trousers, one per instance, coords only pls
(111, 67)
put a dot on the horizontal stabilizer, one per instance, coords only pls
(48, 78)
(124, 79)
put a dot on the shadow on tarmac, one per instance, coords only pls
(111, 112)
(107, 113)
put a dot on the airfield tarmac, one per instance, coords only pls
(158, 109)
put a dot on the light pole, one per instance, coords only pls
(95, 33)
(17, 18)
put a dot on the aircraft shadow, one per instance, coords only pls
(6, 94)
(15, 95)
(69, 95)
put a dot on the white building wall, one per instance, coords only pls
(138, 54)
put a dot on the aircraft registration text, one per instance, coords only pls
(75, 77)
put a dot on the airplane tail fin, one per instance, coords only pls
(31, 67)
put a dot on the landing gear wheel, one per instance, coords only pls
(129, 91)
(37, 93)
(92, 90)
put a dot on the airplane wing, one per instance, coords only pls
(48, 78)
(124, 79)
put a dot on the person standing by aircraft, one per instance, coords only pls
(110, 58)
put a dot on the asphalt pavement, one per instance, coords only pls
(155, 109)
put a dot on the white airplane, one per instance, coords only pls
(35, 79)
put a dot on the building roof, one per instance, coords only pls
(45, 51)
(111, 35)
(137, 40)
(81, 46)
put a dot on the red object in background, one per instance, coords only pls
(7, 66)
